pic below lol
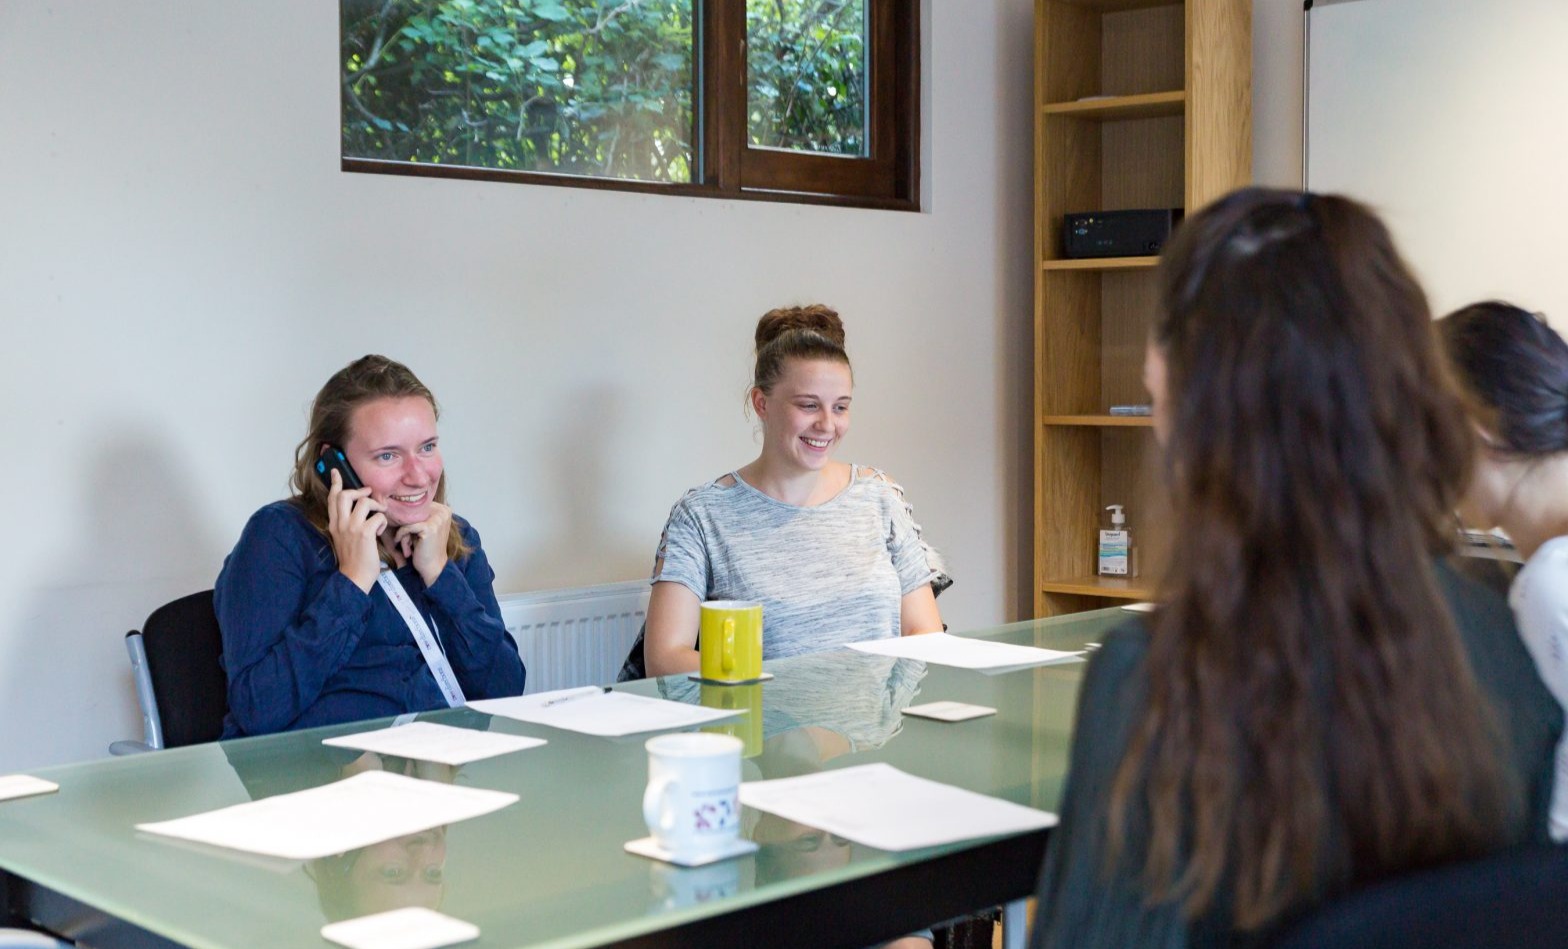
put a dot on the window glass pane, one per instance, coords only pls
(584, 87)
(806, 71)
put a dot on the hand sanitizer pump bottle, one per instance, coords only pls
(1116, 546)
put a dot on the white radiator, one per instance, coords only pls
(578, 636)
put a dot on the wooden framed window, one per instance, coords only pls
(814, 101)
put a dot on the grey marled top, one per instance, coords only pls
(825, 575)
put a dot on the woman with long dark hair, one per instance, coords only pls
(1318, 701)
(1515, 368)
(348, 602)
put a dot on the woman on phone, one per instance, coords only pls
(1319, 701)
(830, 549)
(348, 602)
(1515, 367)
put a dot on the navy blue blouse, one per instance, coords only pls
(303, 646)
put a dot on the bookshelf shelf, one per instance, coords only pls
(1138, 104)
(1100, 421)
(1146, 105)
(1111, 588)
(1102, 263)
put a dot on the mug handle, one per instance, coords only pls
(728, 657)
(659, 818)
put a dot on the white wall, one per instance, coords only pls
(1447, 116)
(1276, 92)
(1443, 115)
(182, 265)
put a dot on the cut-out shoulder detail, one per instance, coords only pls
(725, 539)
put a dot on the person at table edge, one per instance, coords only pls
(831, 550)
(310, 635)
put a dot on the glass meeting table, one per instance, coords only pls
(549, 870)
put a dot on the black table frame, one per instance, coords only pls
(852, 914)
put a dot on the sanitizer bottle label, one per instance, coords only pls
(1113, 553)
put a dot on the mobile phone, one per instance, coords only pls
(332, 457)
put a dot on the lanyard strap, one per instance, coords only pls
(434, 657)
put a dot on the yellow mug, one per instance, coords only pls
(730, 641)
(730, 698)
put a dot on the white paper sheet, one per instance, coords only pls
(412, 927)
(24, 785)
(881, 806)
(428, 741)
(335, 818)
(593, 711)
(945, 649)
(950, 711)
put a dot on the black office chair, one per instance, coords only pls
(180, 683)
(1518, 898)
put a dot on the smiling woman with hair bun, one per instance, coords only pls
(830, 549)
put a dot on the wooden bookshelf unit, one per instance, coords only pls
(1139, 104)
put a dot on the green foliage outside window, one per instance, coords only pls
(573, 86)
(587, 87)
(806, 75)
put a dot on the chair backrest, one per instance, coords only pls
(1517, 898)
(183, 646)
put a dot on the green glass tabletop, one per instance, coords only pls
(549, 870)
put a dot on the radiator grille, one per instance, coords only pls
(578, 636)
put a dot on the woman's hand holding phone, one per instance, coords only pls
(425, 542)
(355, 523)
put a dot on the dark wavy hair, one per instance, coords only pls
(1312, 718)
(1516, 367)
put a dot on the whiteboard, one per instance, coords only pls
(1450, 117)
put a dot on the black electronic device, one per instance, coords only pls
(333, 457)
(1136, 233)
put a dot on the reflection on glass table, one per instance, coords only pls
(550, 869)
